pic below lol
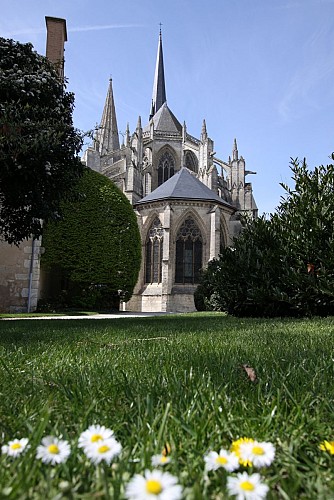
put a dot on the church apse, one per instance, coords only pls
(174, 180)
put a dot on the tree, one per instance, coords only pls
(284, 265)
(39, 163)
(97, 244)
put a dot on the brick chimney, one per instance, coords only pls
(55, 42)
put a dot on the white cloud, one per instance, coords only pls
(99, 27)
(103, 27)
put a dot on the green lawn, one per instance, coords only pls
(176, 379)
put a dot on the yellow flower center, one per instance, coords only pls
(53, 448)
(221, 460)
(257, 450)
(103, 449)
(16, 446)
(153, 486)
(247, 486)
(96, 437)
(163, 460)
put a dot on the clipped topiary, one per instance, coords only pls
(96, 245)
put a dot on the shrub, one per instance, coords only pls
(284, 265)
(96, 247)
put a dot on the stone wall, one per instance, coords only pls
(170, 296)
(19, 276)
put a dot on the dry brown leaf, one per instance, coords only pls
(251, 374)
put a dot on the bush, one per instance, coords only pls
(96, 247)
(283, 266)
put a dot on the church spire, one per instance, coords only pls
(159, 91)
(107, 139)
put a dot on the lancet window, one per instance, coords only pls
(166, 167)
(153, 250)
(190, 161)
(188, 261)
(222, 239)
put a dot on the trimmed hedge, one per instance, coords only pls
(97, 243)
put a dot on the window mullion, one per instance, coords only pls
(152, 261)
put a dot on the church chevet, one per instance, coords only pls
(187, 200)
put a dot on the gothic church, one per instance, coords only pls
(186, 199)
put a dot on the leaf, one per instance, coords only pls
(251, 374)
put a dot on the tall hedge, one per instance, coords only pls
(97, 243)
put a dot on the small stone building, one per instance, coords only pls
(187, 200)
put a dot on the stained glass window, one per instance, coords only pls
(153, 261)
(165, 167)
(188, 252)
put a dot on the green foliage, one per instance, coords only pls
(97, 244)
(244, 281)
(284, 265)
(38, 144)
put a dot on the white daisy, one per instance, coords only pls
(155, 484)
(53, 450)
(104, 450)
(15, 447)
(260, 454)
(247, 486)
(94, 434)
(226, 459)
(159, 460)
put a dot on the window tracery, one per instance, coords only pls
(166, 167)
(190, 161)
(188, 258)
(153, 251)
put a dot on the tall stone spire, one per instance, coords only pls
(159, 91)
(107, 139)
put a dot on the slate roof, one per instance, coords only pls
(183, 186)
(165, 121)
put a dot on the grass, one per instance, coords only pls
(176, 379)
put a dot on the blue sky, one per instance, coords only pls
(258, 70)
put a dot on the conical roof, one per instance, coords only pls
(159, 90)
(106, 137)
(183, 185)
(165, 121)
